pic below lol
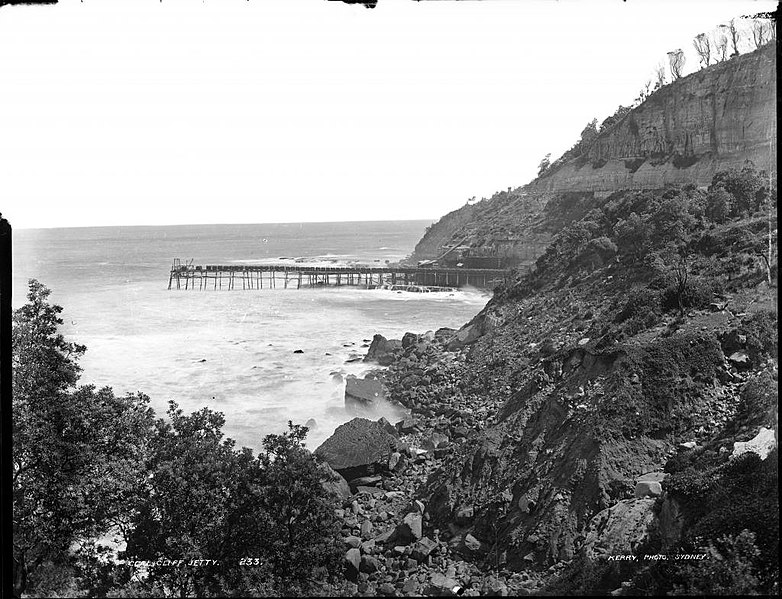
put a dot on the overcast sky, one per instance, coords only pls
(225, 111)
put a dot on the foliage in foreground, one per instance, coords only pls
(88, 464)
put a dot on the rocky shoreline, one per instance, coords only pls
(501, 481)
(379, 470)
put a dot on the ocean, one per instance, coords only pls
(232, 351)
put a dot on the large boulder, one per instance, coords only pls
(409, 339)
(620, 529)
(352, 564)
(762, 444)
(648, 488)
(409, 530)
(467, 334)
(382, 350)
(363, 396)
(358, 448)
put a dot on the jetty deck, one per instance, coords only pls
(271, 276)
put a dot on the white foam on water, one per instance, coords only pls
(232, 351)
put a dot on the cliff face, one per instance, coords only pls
(684, 133)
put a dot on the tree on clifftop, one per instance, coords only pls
(702, 44)
(659, 75)
(762, 32)
(544, 164)
(735, 37)
(676, 61)
(721, 47)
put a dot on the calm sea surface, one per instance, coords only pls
(229, 350)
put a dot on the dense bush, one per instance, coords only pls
(725, 501)
(747, 187)
(76, 450)
(761, 330)
(669, 400)
(87, 463)
(697, 294)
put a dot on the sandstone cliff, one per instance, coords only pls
(713, 119)
(685, 132)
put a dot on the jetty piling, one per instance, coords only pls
(410, 278)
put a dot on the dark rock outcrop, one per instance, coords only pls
(363, 396)
(358, 448)
(335, 482)
(382, 350)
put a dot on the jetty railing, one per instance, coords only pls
(260, 276)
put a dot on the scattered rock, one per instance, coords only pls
(366, 530)
(374, 491)
(411, 587)
(408, 425)
(620, 529)
(762, 444)
(366, 481)
(335, 483)
(472, 544)
(465, 515)
(352, 563)
(388, 427)
(441, 584)
(493, 587)
(434, 441)
(363, 395)
(647, 488)
(411, 529)
(382, 350)
(353, 542)
(423, 548)
(464, 336)
(409, 339)
(396, 462)
(739, 358)
(368, 564)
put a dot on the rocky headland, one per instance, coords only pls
(683, 133)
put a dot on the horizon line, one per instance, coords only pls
(299, 222)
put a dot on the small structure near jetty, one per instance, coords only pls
(395, 278)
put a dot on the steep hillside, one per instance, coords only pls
(617, 402)
(634, 355)
(502, 226)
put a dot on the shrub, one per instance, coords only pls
(640, 303)
(727, 570)
(670, 399)
(697, 294)
(719, 205)
(746, 186)
(762, 335)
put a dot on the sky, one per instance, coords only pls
(142, 112)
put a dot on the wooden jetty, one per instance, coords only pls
(271, 276)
